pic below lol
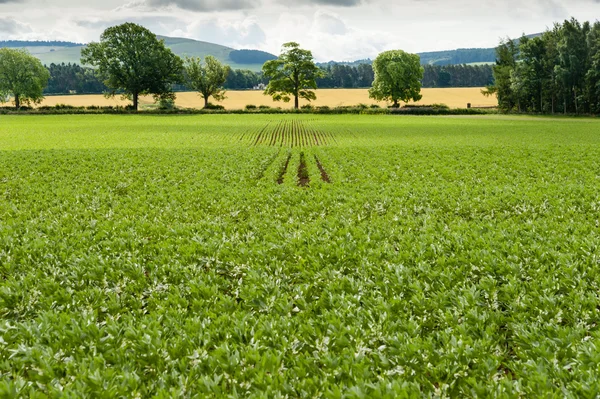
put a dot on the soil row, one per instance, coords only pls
(303, 175)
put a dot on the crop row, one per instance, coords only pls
(289, 133)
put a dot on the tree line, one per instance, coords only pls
(557, 72)
(69, 78)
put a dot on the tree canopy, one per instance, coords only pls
(132, 60)
(398, 77)
(293, 74)
(208, 78)
(556, 72)
(22, 76)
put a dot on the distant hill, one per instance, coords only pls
(37, 43)
(473, 56)
(67, 52)
(464, 55)
(58, 52)
(460, 56)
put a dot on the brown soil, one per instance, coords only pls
(303, 177)
(324, 175)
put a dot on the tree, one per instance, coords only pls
(132, 60)
(506, 62)
(593, 74)
(573, 57)
(21, 76)
(398, 77)
(206, 79)
(294, 73)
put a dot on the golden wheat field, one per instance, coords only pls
(453, 97)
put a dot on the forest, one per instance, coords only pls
(556, 72)
(73, 78)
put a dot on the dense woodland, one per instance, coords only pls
(68, 78)
(457, 57)
(458, 76)
(558, 71)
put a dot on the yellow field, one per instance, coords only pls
(453, 97)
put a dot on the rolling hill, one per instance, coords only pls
(59, 52)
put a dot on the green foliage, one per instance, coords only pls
(132, 60)
(293, 74)
(458, 76)
(66, 78)
(22, 76)
(214, 106)
(207, 79)
(398, 77)
(142, 256)
(555, 72)
(166, 104)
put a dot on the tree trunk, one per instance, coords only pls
(135, 101)
(296, 102)
(396, 105)
(575, 98)
(205, 101)
(17, 102)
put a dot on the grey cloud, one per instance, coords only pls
(195, 5)
(336, 3)
(339, 3)
(11, 26)
(156, 24)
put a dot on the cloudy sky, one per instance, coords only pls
(332, 29)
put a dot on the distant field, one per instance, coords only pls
(453, 97)
(299, 256)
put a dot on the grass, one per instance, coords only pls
(453, 97)
(158, 256)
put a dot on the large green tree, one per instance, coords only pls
(398, 77)
(132, 60)
(22, 76)
(505, 75)
(293, 74)
(208, 78)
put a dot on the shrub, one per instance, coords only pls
(250, 107)
(166, 103)
(430, 106)
(214, 106)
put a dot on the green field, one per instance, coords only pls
(160, 256)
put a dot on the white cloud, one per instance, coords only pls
(332, 29)
(244, 32)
